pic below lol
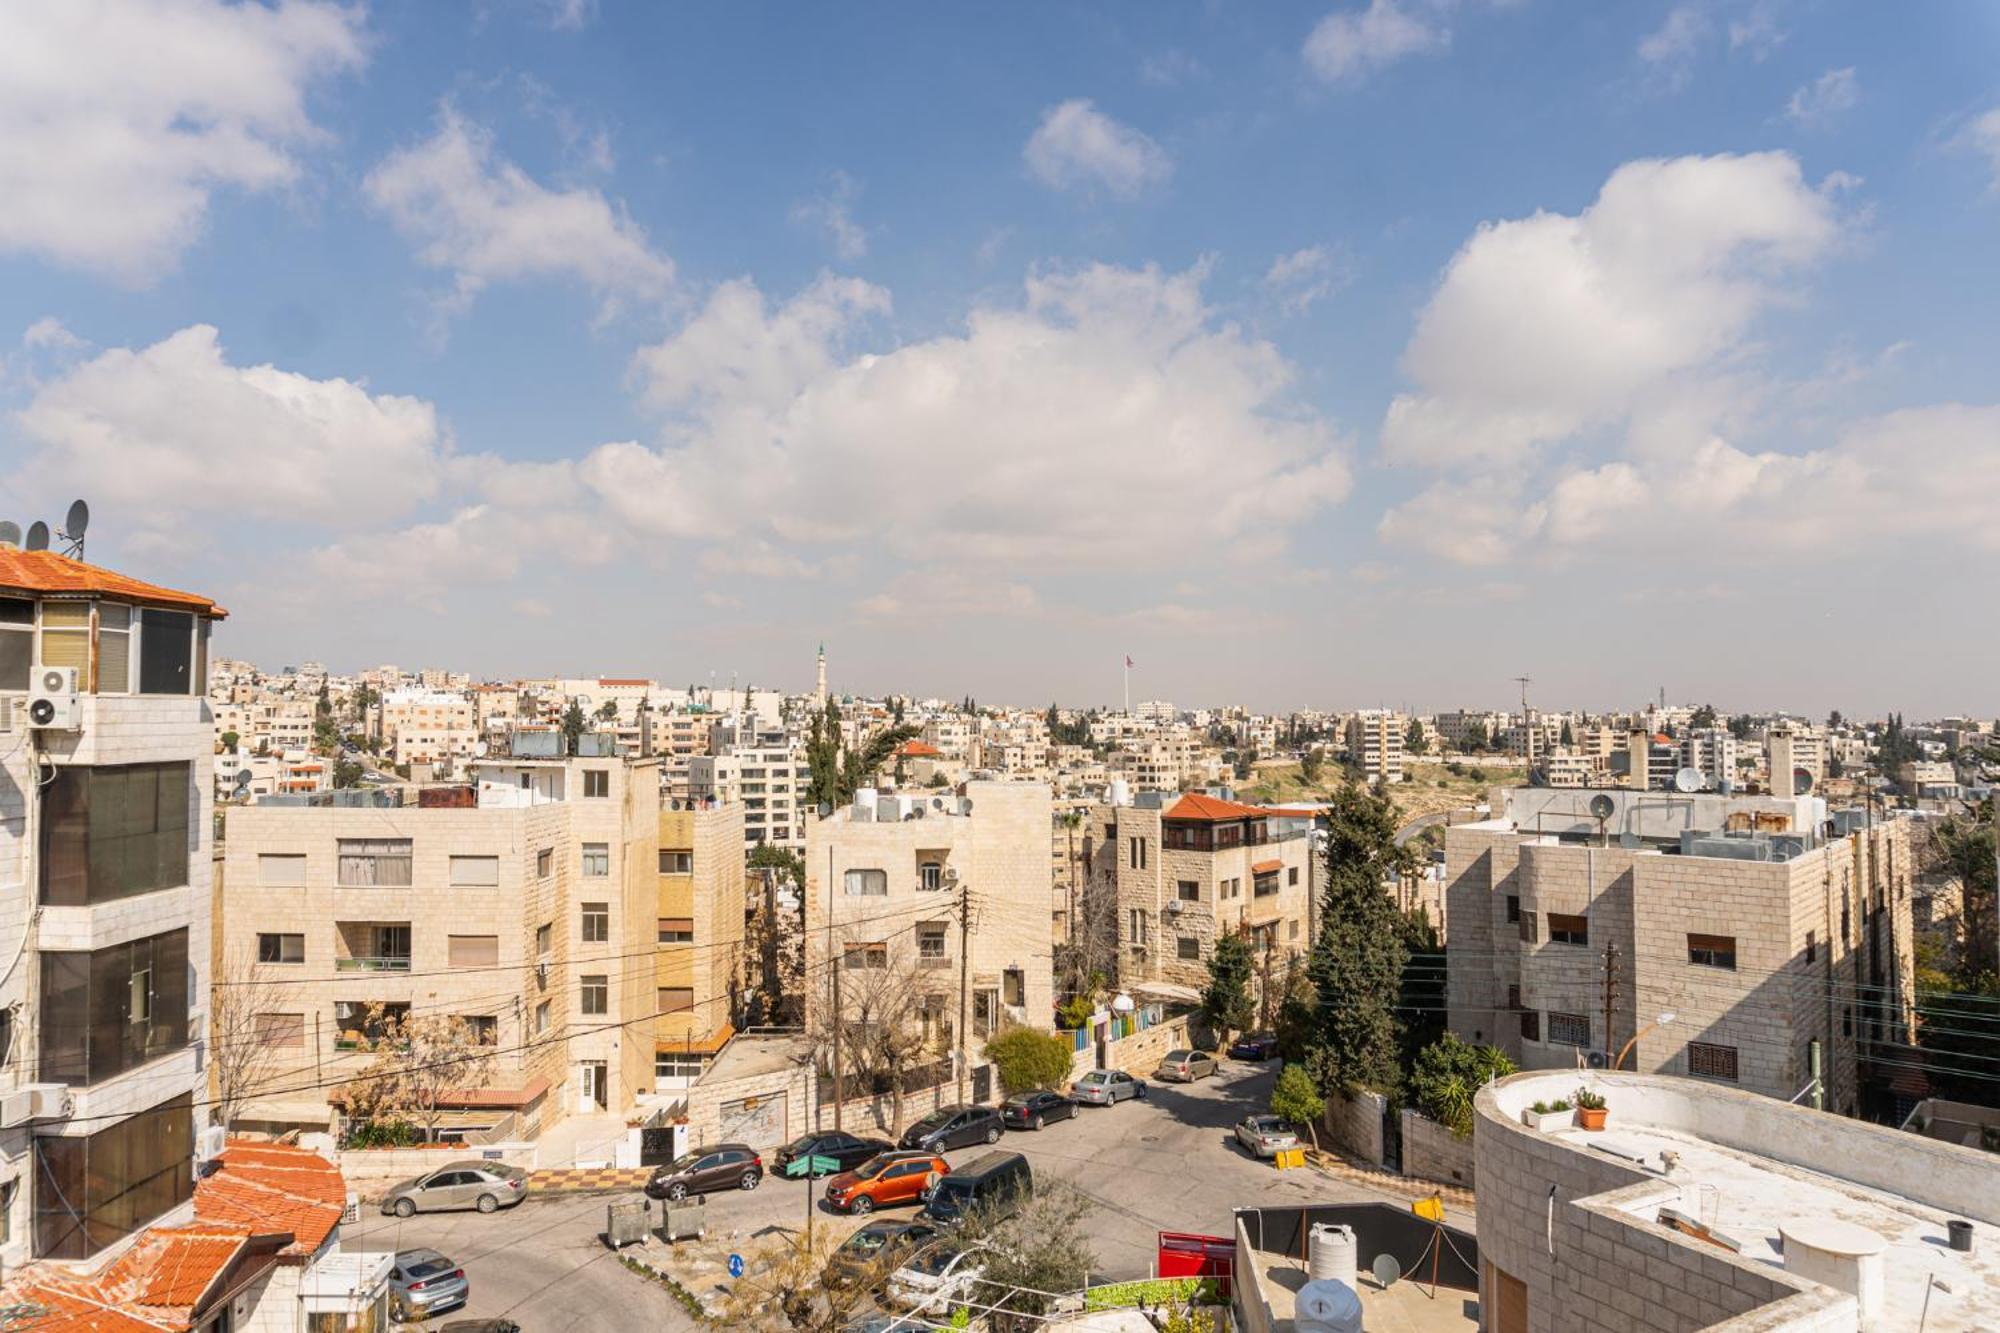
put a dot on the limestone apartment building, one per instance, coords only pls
(1776, 935)
(881, 904)
(551, 903)
(1191, 868)
(105, 810)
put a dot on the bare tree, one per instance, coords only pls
(882, 1033)
(247, 1033)
(784, 1289)
(1089, 958)
(419, 1062)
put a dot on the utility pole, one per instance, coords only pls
(833, 980)
(1610, 991)
(964, 979)
(1264, 1000)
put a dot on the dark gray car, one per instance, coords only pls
(727, 1166)
(487, 1186)
(954, 1127)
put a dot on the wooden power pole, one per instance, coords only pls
(1610, 993)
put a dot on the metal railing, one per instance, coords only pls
(401, 964)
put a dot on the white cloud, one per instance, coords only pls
(1350, 43)
(571, 15)
(50, 334)
(1819, 103)
(479, 217)
(1757, 32)
(119, 120)
(935, 594)
(833, 213)
(1672, 46)
(1171, 68)
(1078, 146)
(1302, 277)
(996, 445)
(1546, 326)
(1983, 137)
(176, 429)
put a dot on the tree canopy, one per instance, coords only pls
(1357, 961)
(1226, 1003)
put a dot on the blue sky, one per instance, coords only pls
(1314, 355)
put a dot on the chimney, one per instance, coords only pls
(1778, 741)
(1639, 751)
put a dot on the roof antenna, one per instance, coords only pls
(74, 524)
(37, 538)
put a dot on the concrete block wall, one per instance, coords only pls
(1432, 1152)
(1353, 1127)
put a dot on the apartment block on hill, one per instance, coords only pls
(1375, 742)
(1782, 951)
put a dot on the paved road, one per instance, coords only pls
(1168, 1163)
(1420, 823)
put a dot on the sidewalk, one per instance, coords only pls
(587, 1179)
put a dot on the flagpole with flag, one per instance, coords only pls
(1128, 684)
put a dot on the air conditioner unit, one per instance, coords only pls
(1175, 907)
(1598, 1060)
(53, 706)
(209, 1143)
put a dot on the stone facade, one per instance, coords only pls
(1432, 1152)
(700, 884)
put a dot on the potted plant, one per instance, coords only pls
(1589, 1109)
(1547, 1117)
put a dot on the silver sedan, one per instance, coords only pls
(1185, 1066)
(1104, 1087)
(1265, 1135)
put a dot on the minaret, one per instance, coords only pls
(819, 691)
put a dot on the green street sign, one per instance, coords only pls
(813, 1165)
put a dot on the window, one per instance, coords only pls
(1187, 946)
(544, 937)
(596, 783)
(110, 833)
(1565, 929)
(106, 1185)
(677, 930)
(1712, 951)
(285, 1032)
(859, 956)
(1264, 886)
(1291, 875)
(1531, 1025)
(676, 863)
(1716, 1062)
(166, 652)
(475, 872)
(1293, 932)
(675, 999)
(542, 1018)
(1513, 907)
(1138, 853)
(930, 942)
(1513, 997)
(472, 950)
(596, 923)
(1013, 987)
(1527, 927)
(113, 1009)
(114, 648)
(1569, 1029)
(284, 870)
(545, 863)
(930, 876)
(684, 1067)
(281, 948)
(17, 643)
(375, 862)
(596, 859)
(66, 637)
(1812, 946)
(866, 883)
(484, 1029)
(595, 992)
(1188, 890)
(985, 1012)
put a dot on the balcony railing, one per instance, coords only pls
(401, 964)
(933, 961)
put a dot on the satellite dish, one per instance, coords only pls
(38, 537)
(77, 520)
(1386, 1269)
(1802, 781)
(10, 532)
(1602, 806)
(1688, 780)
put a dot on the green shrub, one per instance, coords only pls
(1153, 1292)
(1075, 1012)
(1586, 1100)
(1028, 1058)
(382, 1134)
(1448, 1074)
(1294, 1098)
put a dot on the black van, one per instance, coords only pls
(997, 1181)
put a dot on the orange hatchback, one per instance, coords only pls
(885, 1179)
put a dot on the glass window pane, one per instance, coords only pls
(166, 652)
(66, 615)
(114, 661)
(66, 648)
(17, 653)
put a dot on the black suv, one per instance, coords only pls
(848, 1150)
(954, 1127)
(998, 1181)
(1032, 1110)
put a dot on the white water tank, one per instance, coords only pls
(1837, 1254)
(1327, 1306)
(1331, 1253)
(1121, 792)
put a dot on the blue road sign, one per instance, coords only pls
(736, 1265)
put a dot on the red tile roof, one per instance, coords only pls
(67, 1309)
(274, 1187)
(49, 572)
(171, 1268)
(1212, 810)
(918, 750)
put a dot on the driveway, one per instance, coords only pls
(1168, 1163)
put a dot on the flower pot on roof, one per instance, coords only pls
(1590, 1109)
(1548, 1117)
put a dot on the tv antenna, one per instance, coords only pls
(74, 524)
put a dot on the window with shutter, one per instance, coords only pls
(474, 950)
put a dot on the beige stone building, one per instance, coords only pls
(699, 969)
(1192, 868)
(427, 726)
(1782, 953)
(1375, 742)
(531, 904)
(880, 897)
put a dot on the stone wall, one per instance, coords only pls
(1138, 1054)
(1354, 1128)
(875, 1115)
(1432, 1152)
(371, 1171)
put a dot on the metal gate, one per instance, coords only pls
(757, 1121)
(982, 1083)
(656, 1146)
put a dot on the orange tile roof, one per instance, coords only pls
(49, 572)
(274, 1187)
(1212, 810)
(72, 1310)
(1267, 867)
(918, 750)
(171, 1268)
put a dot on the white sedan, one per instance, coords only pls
(1265, 1135)
(936, 1279)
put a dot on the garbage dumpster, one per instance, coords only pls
(686, 1219)
(627, 1223)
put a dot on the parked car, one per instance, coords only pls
(997, 1181)
(1185, 1066)
(936, 1277)
(487, 1186)
(954, 1127)
(480, 1326)
(848, 1150)
(885, 1179)
(1265, 1135)
(727, 1166)
(1257, 1046)
(1105, 1087)
(1032, 1110)
(875, 1250)
(423, 1282)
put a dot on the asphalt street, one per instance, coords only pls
(1168, 1163)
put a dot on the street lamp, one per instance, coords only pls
(1663, 1020)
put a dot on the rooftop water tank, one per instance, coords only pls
(1327, 1306)
(1330, 1252)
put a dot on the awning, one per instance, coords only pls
(1166, 990)
(1267, 867)
(692, 1045)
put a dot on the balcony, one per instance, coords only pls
(372, 946)
(390, 963)
(929, 960)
